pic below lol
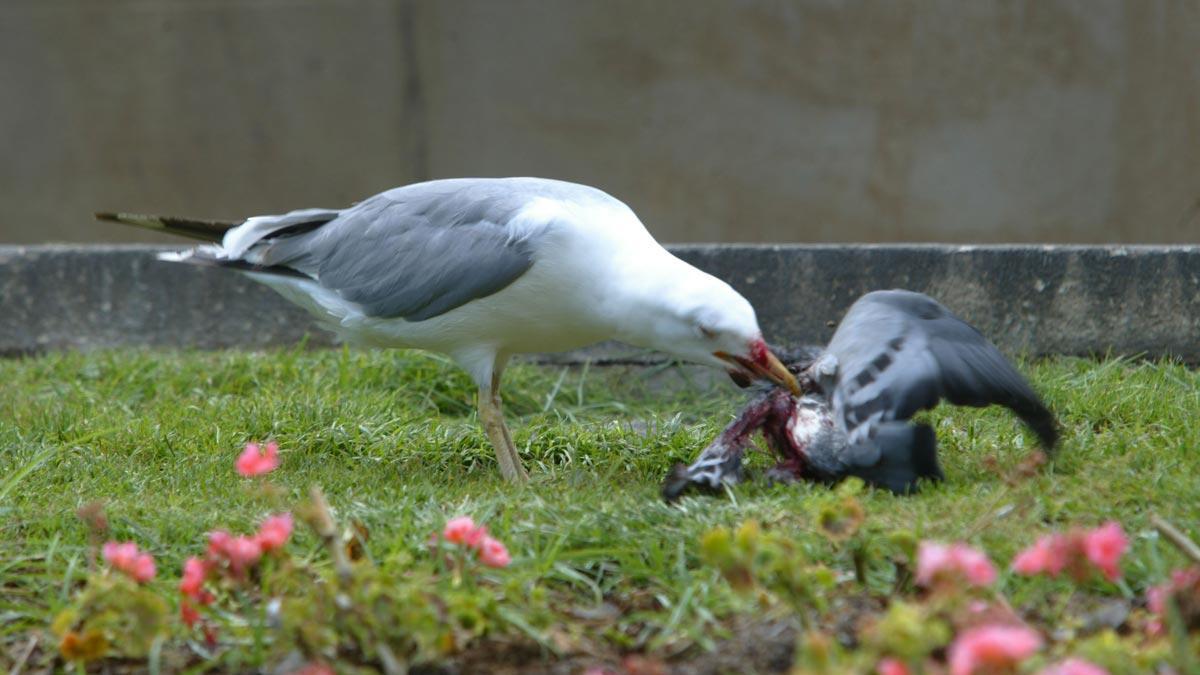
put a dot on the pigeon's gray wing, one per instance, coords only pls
(898, 352)
(414, 252)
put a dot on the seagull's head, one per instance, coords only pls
(706, 321)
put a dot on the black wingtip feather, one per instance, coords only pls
(193, 228)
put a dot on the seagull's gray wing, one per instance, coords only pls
(414, 252)
(898, 352)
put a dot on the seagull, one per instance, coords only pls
(480, 269)
(894, 353)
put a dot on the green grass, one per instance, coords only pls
(393, 440)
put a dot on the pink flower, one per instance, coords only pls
(126, 558)
(195, 571)
(188, 614)
(274, 532)
(1104, 547)
(992, 647)
(462, 530)
(492, 553)
(240, 552)
(253, 463)
(949, 563)
(890, 666)
(1073, 667)
(1078, 552)
(1047, 556)
(243, 552)
(1183, 588)
(217, 541)
(1156, 599)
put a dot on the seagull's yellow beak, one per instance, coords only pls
(770, 369)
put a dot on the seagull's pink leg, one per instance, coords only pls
(492, 417)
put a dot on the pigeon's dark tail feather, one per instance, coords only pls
(1039, 418)
(204, 230)
(907, 453)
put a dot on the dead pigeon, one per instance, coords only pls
(895, 353)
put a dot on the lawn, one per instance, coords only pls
(603, 574)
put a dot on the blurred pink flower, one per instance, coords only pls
(951, 563)
(1104, 547)
(274, 532)
(493, 553)
(1183, 584)
(1078, 551)
(125, 557)
(1156, 598)
(1047, 556)
(890, 666)
(991, 647)
(188, 613)
(1073, 667)
(195, 571)
(217, 541)
(462, 530)
(253, 463)
(240, 552)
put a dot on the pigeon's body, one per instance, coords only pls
(894, 353)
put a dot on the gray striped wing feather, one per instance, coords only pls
(899, 352)
(414, 252)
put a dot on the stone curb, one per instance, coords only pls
(1035, 300)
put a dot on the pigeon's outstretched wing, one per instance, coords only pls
(898, 352)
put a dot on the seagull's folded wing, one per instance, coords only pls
(414, 252)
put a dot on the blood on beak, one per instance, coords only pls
(771, 370)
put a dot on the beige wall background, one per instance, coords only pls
(807, 121)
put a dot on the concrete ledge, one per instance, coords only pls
(1037, 300)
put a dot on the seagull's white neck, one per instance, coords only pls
(649, 292)
(627, 287)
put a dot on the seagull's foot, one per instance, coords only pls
(507, 456)
(512, 469)
(497, 432)
(515, 470)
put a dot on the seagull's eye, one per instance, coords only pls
(706, 332)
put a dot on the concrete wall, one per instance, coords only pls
(1036, 300)
(816, 120)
